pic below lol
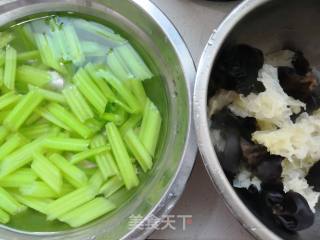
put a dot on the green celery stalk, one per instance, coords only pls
(8, 99)
(88, 212)
(25, 35)
(9, 204)
(33, 118)
(74, 45)
(70, 201)
(132, 122)
(138, 150)
(5, 38)
(77, 103)
(66, 188)
(27, 56)
(69, 119)
(38, 204)
(105, 161)
(138, 90)
(121, 155)
(93, 49)
(49, 95)
(119, 68)
(47, 172)
(88, 154)
(3, 115)
(150, 127)
(3, 133)
(96, 181)
(66, 144)
(134, 62)
(71, 173)
(19, 158)
(59, 40)
(90, 91)
(122, 90)
(36, 131)
(111, 186)
(117, 119)
(52, 118)
(121, 196)
(33, 75)
(10, 67)
(22, 110)
(1, 76)
(4, 217)
(37, 190)
(2, 57)
(94, 125)
(12, 143)
(19, 178)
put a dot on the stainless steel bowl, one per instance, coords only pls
(269, 25)
(152, 33)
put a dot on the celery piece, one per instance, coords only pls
(22, 110)
(88, 212)
(77, 103)
(134, 62)
(111, 186)
(37, 190)
(3, 133)
(12, 143)
(47, 171)
(33, 75)
(59, 40)
(119, 68)
(138, 150)
(93, 49)
(96, 29)
(33, 118)
(71, 173)
(88, 154)
(4, 217)
(138, 90)
(52, 118)
(36, 131)
(2, 57)
(5, 38)
(70, 201)
(122, 90)
(38, 204)
(121, 155)
(25, 36)
(150, 127)
(19, 178)
(66, 144)
(9, 204)
(121, 196)
(8, 99)
(19, 157)
(74, 45)
(66, 188)
(94, 125)
(69, 119)
(96, 181)
(132, 122)
(101, 83)
(27, 56)
(1, 76)
(105, 161)
(112, 117)
(3, 115)
(90, 91)
(49, 95)
(10, 67)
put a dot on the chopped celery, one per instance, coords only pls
(111, 186)
(8, 99)
(19, 178)
(105, 161)
(88, 154)
(47, 171)
(66, 188)
(49, 95)
(25, 35)
(93, 49)
(121, 155)
(12, 143)
(1, 75)
(3, 115)
(60, 44)
(88, 212)
(27, 56)
(22, 110)
(134, 62)
(132, 122)
(36, 131)
(90, 91)
(138, 150)
(77, 103)
(74, 45)
(10, 68)
(19, 158)
(96, 181)
(9, 204)
(98, 30)
(5, 39)
(138, 90)
(70, 201)
(66, 144)
(118, 67)
(69, 119)
(37, 190)
(3, 133)
(122, 90)
(33, 118)
(33, 75)
(150, 127)
(113, 117)
(4, 217)
(71, 173)
(52, 118)
(94, 125)
(37, 204)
